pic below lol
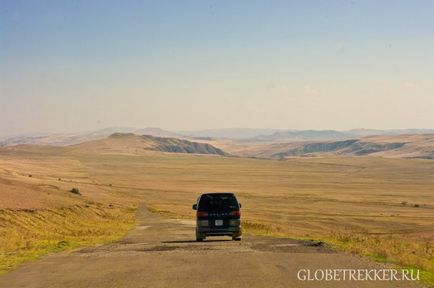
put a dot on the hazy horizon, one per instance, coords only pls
(197, 65)
(184, 131)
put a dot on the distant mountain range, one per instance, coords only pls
(139, 144)
(389, 146)
(126, 144)
(279, 145)
(231, 133)
(328, 135)
(303, 135)
(241, 135)
(59, 139)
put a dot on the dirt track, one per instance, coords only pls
(162, 253)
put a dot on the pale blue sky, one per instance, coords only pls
(81, 65)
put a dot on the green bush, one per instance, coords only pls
(75, 191)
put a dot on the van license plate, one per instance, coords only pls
(218, 222)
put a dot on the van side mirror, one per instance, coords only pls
(239, 204)
(194, 207)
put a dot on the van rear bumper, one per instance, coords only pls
(219, 231)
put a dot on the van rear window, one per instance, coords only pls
(218, 202)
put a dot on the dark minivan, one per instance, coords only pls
(217, 214)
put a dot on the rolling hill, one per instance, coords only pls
(394, 146)
(328, 135)
(389, 146)
(129, 143)
(66, 139)
(240, 135)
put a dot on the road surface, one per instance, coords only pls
(162, 252)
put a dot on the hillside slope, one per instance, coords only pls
(128, 143)
(401, 146)
(67, 139)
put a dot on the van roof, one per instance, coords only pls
(218, 193)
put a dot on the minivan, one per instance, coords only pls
(218, 214)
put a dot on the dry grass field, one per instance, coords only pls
(383, 208)
(39, 214)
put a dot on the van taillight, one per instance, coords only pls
(235, 213)
(201, 214)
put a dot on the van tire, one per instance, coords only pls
(236, 237)
(200, 237)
